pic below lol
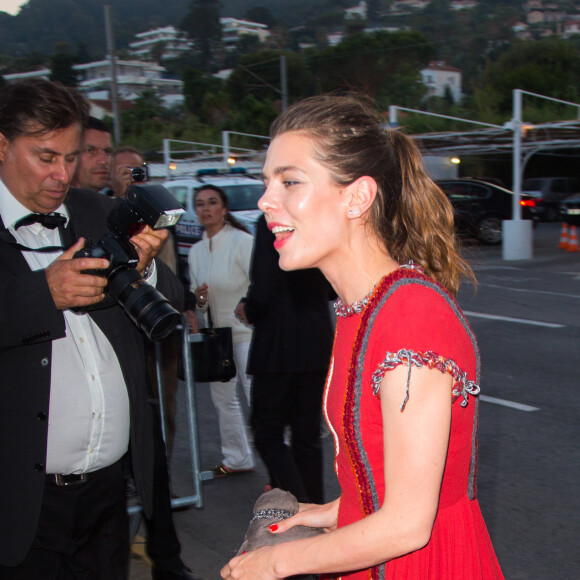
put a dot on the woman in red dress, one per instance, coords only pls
(353, 199)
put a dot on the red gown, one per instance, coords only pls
(409, 320)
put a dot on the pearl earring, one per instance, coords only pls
(353, 212)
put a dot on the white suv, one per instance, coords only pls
(243, 193)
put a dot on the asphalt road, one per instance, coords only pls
(526, 315)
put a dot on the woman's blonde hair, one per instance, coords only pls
(411, 215)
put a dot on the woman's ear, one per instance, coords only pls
(362, 194)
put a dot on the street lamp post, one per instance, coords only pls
(517, 239)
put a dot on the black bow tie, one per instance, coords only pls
(50, 221)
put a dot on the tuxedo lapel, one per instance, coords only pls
(11, 256)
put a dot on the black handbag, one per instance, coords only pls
(213, 357)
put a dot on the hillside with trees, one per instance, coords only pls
(384, 65)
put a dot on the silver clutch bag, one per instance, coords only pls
(271, 507)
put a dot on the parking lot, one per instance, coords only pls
(526, 315)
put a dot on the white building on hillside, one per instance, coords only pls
(233, 29)
(174, 43)
(357, 12)
(438, 77)
(133, 77)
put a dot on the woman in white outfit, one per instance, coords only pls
(219, 268)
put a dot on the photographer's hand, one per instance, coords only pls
(69, 286)
(123, 178)
(148, 243)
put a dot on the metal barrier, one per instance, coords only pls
(198, 476)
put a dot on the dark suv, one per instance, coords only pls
(480, 207)
(548, 193)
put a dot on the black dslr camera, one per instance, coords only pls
(148, 308)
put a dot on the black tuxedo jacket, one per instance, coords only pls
(29, 322)
(293, 332)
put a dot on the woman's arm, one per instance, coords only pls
(415, 449)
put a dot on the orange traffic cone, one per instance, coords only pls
(573, 243)
(564, 237)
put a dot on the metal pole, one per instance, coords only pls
(284, 81)
(113, 69)
(517, 154)
(167, 158)
(226, 145)
(393, 119)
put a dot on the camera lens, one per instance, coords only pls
(144, 304)
(138, 174)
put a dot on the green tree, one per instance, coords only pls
(83, 55)
(548, 67)
(202, 25)
(197, 85)
(258, 74)
(61, 65)
(262, 15)
(252, 116)
(383, 65)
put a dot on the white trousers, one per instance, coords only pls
(232, 423)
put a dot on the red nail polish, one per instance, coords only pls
(273, 527)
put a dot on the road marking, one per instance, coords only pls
(508, 319)
(511, 404)
(527, 291)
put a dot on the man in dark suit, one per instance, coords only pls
(289, 358)
(74, 399)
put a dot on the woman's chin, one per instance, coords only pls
(288, 262)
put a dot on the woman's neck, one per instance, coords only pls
(354, 274)
(211, 232)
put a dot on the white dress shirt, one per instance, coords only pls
(88, 421)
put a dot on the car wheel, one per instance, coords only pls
(490, 230)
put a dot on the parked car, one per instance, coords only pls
(480, 207)
(570, 210)
(549, 192)
(243, 193)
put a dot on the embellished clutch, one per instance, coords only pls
(271, 507)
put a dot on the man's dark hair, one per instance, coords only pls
(37, 107)
(96, 124)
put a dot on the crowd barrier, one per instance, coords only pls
(198, 476)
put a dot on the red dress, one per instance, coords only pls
(409, 320)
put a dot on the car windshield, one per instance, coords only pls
(244, 197)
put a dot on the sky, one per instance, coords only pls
(11, 6)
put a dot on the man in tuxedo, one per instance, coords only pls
(97, 164)
(74, 399)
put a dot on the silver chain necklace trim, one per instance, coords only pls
(272, 514)
(358, 306)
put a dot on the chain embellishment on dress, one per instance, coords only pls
(272, 514)
(344, 310)
(462, 386)
(356, 307)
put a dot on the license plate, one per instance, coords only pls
(570, 211)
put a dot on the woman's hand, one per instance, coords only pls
(201, 295)
(255, 565)
(312, 515)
